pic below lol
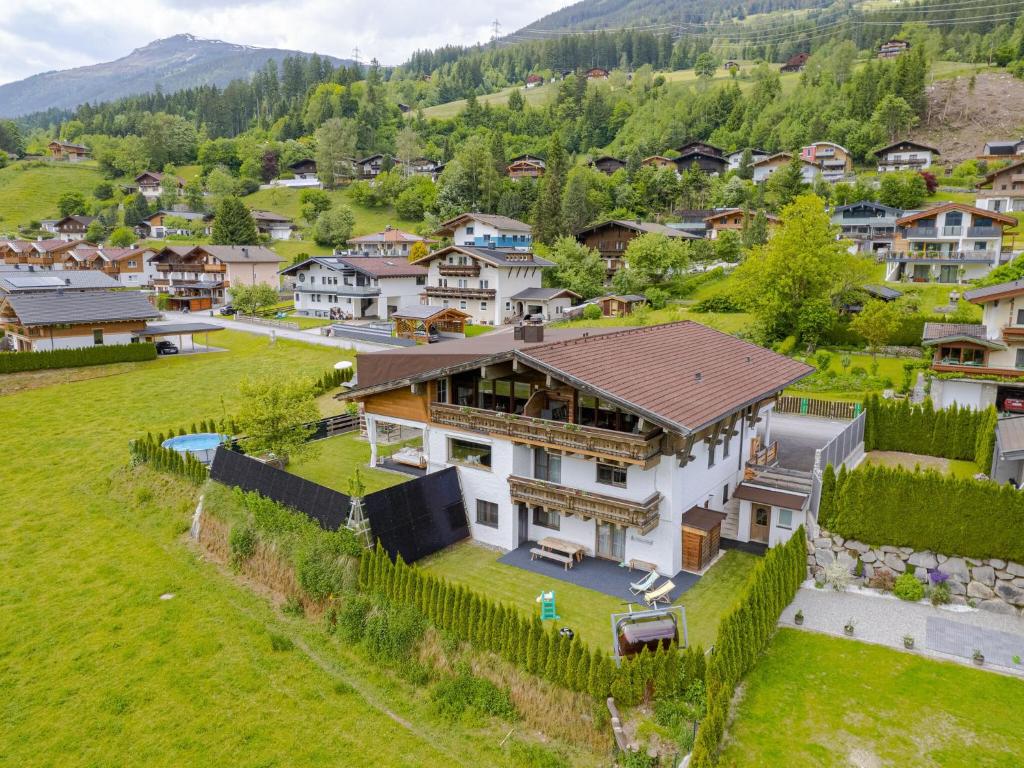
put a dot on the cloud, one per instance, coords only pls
(83, 32)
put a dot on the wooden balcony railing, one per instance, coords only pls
(190, 268)
(450, 292)
(459, 270)
(642, 515)
(572, 438)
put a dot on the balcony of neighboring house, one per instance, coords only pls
(450, 292)
(193, 268)
(161, 282)
(944, 257)
(559, 434)
(1013, 333)
(586, 505)
(502, 241)
(984, 232)
(459, 270)
(342, 289)
(960, 358)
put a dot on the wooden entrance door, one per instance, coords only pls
(760, 522)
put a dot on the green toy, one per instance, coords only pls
(547, 606)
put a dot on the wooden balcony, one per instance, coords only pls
(1013, 333)
(643, 450)
(459, 270)
(190, 268)
(642, 515)
(485, 294)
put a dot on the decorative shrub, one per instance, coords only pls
(592, 312)
(837, 576)
(392, 631)
(242, 542)
(940, 593)
(722, 302)
(103, 354)
(455, 695)
(883, 579)
(908, 588)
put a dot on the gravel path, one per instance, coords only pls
(951, 633)
(312, 336)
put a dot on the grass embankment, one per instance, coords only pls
(965, 470)
(833, 702)
(29, 189)
(88, 549)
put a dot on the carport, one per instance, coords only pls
(181, 330)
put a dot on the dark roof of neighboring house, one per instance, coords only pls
(882, 292)
(702, 518)
(943, 207)
(527, 157)
(770, 217)
(373, 266)
(187, 215)
(629, 298)
(424, 311)
(608, 158)
(774, 497)
(905, 142)
(544, 294)
(80, 307)
(941, 333)
(23, 281)
(1009, 145)
(387, 235)
(159, 176)
(229, 254)
(492, 219)
(990, 177)
(997, 291)
(269, 216)
(302, 163)
(69, 145)
(501, 257)
(868, 204)
(645, 227)
(85, 221)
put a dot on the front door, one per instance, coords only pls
(760, 521)
(524, 523)
(611, 542)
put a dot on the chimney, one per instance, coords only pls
(67, 281)
(698, 376)
(245, 252)
(533, 334)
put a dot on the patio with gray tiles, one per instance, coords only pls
(593, 573)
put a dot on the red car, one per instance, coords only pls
(1013, 404)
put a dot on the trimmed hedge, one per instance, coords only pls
(926, 511)
(14, 362)
(744, 633)
(149, 451)
(954, 433)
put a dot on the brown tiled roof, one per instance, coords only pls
(944, 330)
(683, 374)
(383, 266)
(702, 518)
(389, 235)
(771, 496)
(943, 207)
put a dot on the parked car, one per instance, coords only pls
(227, 309)
(1013, 404)
(166, 348)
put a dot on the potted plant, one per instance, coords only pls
(978, 657)
(798, 618)
(848, 628)
(908, 641)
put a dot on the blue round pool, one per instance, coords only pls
(202, 445)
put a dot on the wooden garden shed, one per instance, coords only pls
(701, 537)
(418, 321)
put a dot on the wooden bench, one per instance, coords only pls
(643, 565)
(536, 552)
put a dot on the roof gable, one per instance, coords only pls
(963, 207)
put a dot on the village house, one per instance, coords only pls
(833, 160)
(1003, 189)
(709, 158)
(304, 170)
(1002, 150)
(25, 278)
(660, 162)
(870, 225)
(372, 166)
(597, 73)
(607, 164)
(905, 155)
(893, 48)
(355, 287)
(948, 243)
(196, 277)
(734, 219)
(423, 166)
(273, 225)
(766, 166)
(486, 230)
(613, 305)
(130, 267)
(992, 349)
(795, 63)
(532, 81)
(59, 319)
(302, 175)
(610, 439)
(49, 225)
(44, 254)
(734, 159)
(73, 228)
(150, 184)
(68, 152)
(163, 224)
(525, 167)
(611, 238)
(692, 221)
(388, 242)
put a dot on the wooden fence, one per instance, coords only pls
(808, 406)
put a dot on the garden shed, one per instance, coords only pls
(701, 537)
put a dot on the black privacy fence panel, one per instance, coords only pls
(420, 517)
(414, 519)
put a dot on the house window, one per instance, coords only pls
(546, 518)
(486, 513)
(483, 306)
(609, 474)
(1020, 317)
(444, 302)
(508, 305)
(421, 280)
(97, 336)
(785, 519)
(547, 466)
(131, 265)
(462, 304)
(1019, 363)
(441, 391)
(302, 277)
(463, 283)
(484, 284)
(469, 229)
(312, 279)
(469, 453)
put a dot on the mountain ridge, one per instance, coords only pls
(170, 64)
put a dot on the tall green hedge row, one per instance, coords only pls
(331, 379)
(744, 633)
(953, 433)
(926, 511)
(13, 362)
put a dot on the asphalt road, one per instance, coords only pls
(800, 436)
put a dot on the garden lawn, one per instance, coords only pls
(727, 322)
(29, 189)
(96, 669)
(888, 368)
(478, 330)
(286, 202)
(588, 612)
(965, 470)
(336, 458)
(824, 701)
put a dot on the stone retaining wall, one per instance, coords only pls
(992, 584)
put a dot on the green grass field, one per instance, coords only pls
(727, 322)
(336, 458)
(831, 702)
(965, 470)
(97, 670)
(29, 191)
(286, 202)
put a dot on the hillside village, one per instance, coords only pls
(612, 414)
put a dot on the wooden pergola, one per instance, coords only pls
(418, 321)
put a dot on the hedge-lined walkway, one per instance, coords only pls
(939, 633)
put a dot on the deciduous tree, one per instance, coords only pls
(276, 416)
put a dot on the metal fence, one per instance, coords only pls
(809, 406)
(842, 446)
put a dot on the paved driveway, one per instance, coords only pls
(800, 436)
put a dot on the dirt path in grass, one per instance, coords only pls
(907, 460)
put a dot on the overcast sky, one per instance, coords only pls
(42, 35)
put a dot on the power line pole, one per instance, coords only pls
(355, 55)
(495, 29)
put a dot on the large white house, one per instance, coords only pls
(905, 155)
(629, 443)
(355, 287)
